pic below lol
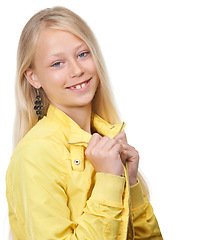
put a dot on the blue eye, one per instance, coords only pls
(83, 54)
(57, 64)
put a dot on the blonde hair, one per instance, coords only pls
(62, 19)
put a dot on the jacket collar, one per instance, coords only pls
(76, 135)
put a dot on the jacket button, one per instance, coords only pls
(77, 162)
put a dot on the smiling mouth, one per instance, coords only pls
(80, 85)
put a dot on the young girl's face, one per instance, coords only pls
(64, 67)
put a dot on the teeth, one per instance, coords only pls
(79, 86)
(83, 85)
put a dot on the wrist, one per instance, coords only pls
(117, 172)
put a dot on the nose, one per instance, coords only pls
(76, 69)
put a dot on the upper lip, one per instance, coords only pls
(79, 83)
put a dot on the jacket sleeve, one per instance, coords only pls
(144, 222)
(37, 200)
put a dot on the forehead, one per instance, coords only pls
(53, 39)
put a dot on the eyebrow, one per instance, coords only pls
(81, 45)
(75, 49)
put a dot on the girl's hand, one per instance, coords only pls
(130, 155)
(104, 154)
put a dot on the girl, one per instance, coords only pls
(72, 175)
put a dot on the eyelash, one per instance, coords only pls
(85, 54)
(56, 64)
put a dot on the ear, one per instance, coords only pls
(32, 78)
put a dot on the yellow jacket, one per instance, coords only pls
(53, 191)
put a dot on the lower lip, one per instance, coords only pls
(81, 89)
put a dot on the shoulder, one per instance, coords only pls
(35, 161)
(44, 130)
(45, 136)
(34, 154)
(42, 147)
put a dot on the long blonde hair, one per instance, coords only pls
(62, 19)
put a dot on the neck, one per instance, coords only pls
(81, 115)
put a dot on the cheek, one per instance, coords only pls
(55, 78)
(58, 77)
(90, 66)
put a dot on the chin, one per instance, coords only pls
(85, 102)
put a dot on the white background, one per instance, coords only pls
(160, 58)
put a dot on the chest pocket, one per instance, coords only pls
(77, 156)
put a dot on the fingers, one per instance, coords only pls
(123, 157)
(121, 136)
(121, 139)
(129, 150)
(93, 142)
(102, 144)
(128, 153)
(116, 147)
(110, 143)
(127, 147)
(103, 141)
(118, 143)
(104, 154)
